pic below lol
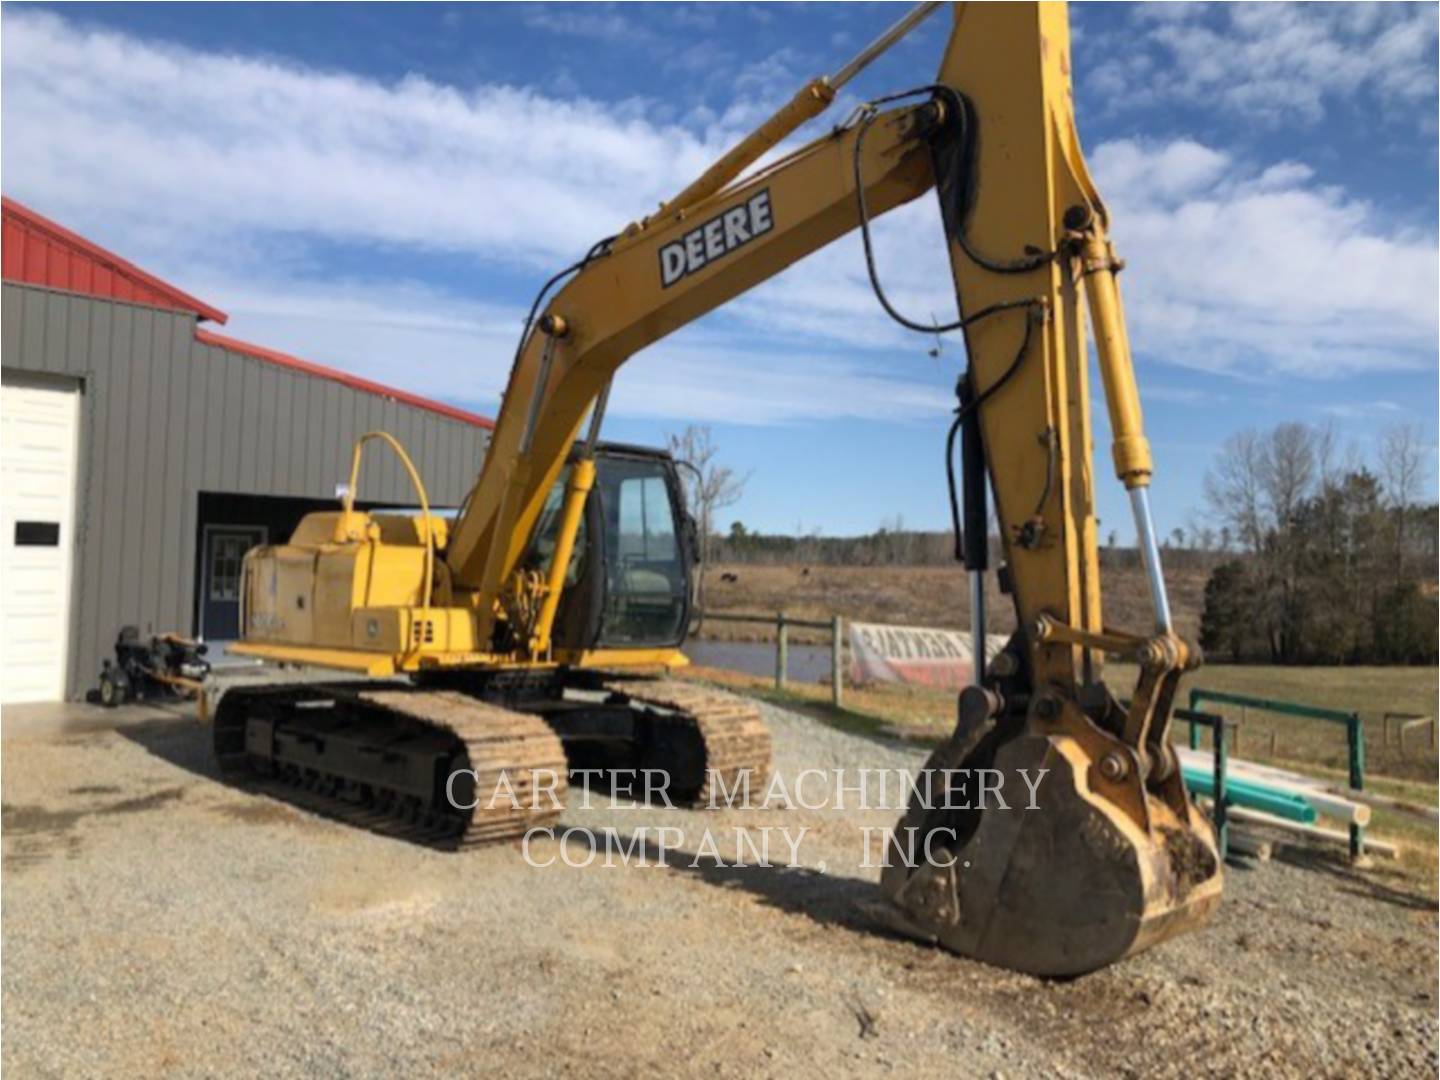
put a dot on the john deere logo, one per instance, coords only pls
(715, 239)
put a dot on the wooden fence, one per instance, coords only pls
(782, 624)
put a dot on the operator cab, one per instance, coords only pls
(628, 583)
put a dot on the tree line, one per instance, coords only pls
(1312, 554)
(889, 545)
(892, 544)
(1335, 554)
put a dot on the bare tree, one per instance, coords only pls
(897, 544)
(709, 487)
(1288, 468)
(1233, 488)
(1257, 486)
(1201, 535)
(1404, 454)
(1328, 465)
(1287, 478)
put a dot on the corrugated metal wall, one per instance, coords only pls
(165, 417)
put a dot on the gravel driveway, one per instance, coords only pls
(156, 920)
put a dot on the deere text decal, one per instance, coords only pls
(715, 239)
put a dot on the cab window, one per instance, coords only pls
(645, 596)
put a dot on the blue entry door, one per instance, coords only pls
(225, 548)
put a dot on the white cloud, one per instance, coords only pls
(598, 21)
(1165, 172)
(1269, 61)
(1363, 410)
(225, 170)
(410, 336)
(129, 135)
(1262, 271)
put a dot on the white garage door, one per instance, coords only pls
(40, 419)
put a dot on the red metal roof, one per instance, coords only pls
(209, 337)
(36, 251)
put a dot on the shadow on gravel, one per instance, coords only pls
(821, 897)
(1365, 884)
(181, 740)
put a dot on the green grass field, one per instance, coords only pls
(1371, 691)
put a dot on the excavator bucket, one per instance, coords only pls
(1030, 853)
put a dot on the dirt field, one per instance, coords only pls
(917, 596)
(156, 920)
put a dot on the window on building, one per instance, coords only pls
(227, 554)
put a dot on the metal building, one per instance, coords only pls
(143, 455)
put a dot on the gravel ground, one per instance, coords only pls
(155, 919)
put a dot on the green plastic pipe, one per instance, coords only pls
(1255, 796)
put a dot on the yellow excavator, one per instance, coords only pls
(533, 633)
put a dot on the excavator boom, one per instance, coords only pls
(648, 282)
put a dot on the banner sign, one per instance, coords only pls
(914, 654)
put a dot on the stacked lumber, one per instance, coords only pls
(1314, 832)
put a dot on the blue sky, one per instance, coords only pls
(383, 187)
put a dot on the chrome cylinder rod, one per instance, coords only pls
(597, 417)
(977, 626)
(542, 382)
(812, 99)
(1150, 556)
(862, 60)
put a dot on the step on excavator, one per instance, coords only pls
(537, 631)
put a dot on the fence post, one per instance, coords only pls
(1356, 734)
(837, 674)
(782, 650)
(1354, 737)
(1222, 815)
